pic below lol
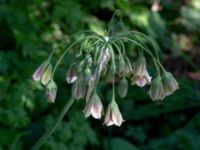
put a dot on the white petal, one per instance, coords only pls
(117, 117)
(140, 81)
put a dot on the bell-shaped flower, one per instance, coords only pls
(113, 115)
(105, 57)
(78, 90)
(93, 107)
(141, 76)
(169, 83)
(37, 75)
(71, 76)
(91, 86)
(156, 91)
(46, 75)
(123, 87)
(51, 91)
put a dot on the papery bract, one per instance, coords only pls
(104, 59)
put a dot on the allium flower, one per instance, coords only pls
(37, 75)
(71, 76)
(51, 91)
(78, 90)
(93, 107)
(128, 68)
(113, 115)
(104, 59)
(156, 91)
(46, 75)
(91, 86)
(169, 83)
(141, 76)
(123, 87)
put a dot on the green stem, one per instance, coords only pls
(114, 70)
(68, 38)
(61, 57)
(48, 133)
(146, 50)
(111, 22)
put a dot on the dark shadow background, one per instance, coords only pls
(30, 29)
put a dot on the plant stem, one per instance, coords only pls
(48, 133)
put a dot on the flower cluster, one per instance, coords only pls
(105, 57)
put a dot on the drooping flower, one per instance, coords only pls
(123, 87)
(78, 90)
(113, 115)
(37, 75)
(128, 68)
(104, 59)
(51, 91)
(91, 86)
(169, 83)
(141, 76)
(71, 76)
(93, 107)
(46, 75)
(156, 91)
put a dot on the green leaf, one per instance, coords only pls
(122, 144)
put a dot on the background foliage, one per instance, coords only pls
(29, 29)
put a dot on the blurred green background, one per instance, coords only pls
(30, 29)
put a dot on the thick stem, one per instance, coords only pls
(48, 133)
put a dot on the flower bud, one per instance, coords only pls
(169, 83)
(78, 90)
(37, 75)
(93, 107)
(51, 91)
(113, 115)
(91, 86)
(123, 87)
(128, 68)
(71, 76)
(46, 75)
(141, 76)
(156, 90)
(121, 65)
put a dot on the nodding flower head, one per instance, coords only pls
(140, 76)
(113, 115)
(93, 107)
(169, 83)
(100, 57)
